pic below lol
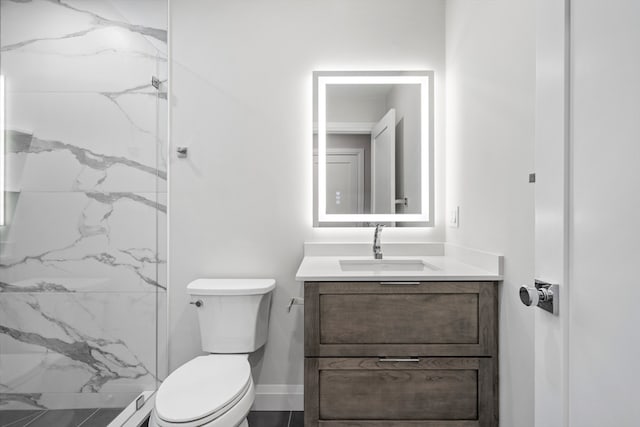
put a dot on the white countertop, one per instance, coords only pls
(449, 263)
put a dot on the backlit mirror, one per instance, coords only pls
(373, 148)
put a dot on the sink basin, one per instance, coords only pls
(385, 265)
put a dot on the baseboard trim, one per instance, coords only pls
(279, 397)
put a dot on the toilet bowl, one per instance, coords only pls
(216, 390)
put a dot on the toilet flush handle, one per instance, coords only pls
(197, 303)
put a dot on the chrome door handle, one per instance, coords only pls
(544, 295)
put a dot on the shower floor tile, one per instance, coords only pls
(94, 417)
(18, 418)
(62, 418)
(101, 418)
(97, 417)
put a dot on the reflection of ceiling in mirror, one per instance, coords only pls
(363, 102)
(358, 90)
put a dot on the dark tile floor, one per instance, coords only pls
(102, 417)
(276, 419)
(58, 418)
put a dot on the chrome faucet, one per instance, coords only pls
(377, 250)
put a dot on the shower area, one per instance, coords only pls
(83, 246)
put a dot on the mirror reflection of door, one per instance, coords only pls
(345, 180)
(345, 172)
(383, 162)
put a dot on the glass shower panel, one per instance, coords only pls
(83, 251)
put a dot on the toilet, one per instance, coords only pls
(216, 390)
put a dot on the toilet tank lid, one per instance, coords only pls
(231, 286)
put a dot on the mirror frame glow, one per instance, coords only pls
(425, 80)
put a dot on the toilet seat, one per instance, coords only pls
(205, 389)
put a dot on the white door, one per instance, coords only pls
(383, 165)
(588, 213)
(345, 181)
(604, 234)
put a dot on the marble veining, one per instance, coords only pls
(38, 286)
(82, 262)
(111, 198)
(76, 343)
(94, 353)
(22, 142)
(138, 90)
(30, 400)
(98, 22)
(134, 262)
(100, 238)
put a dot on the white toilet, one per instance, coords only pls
(217, 390)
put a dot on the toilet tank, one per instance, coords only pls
(233, 313)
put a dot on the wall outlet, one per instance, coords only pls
(454, 217)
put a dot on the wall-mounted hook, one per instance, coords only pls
(182, 152)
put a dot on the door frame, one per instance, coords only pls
(553, 209)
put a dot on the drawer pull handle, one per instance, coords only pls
(399, 359)
(399, 283)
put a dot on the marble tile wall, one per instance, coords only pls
(83, 257)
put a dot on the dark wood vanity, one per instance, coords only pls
(401, 354)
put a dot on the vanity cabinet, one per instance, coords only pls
(401, 354)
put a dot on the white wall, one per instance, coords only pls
(604, 347)
(490, 131)
(241, 83)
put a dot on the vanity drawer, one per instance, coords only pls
(377, 319)
(454, 392)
